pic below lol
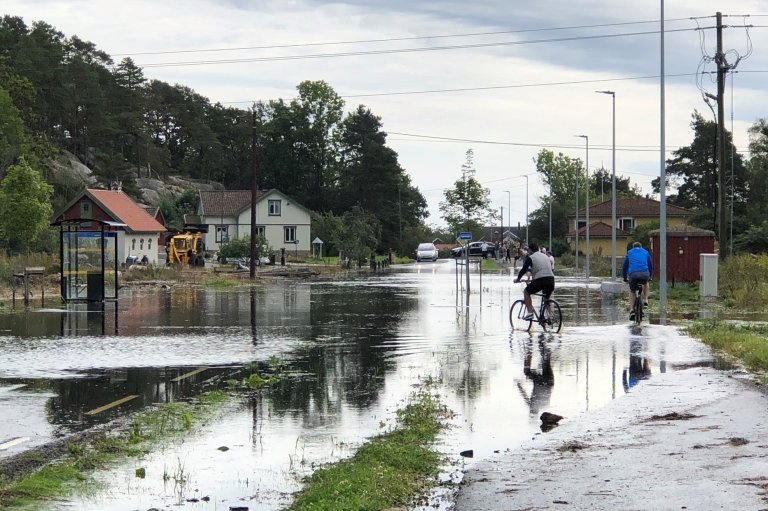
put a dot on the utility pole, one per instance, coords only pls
(722, 69)
(254, 192)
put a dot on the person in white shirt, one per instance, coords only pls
(542, 277)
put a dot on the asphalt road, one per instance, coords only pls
(691, 439)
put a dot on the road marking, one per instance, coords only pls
(191, 373)
(13, 441)
(111, 405)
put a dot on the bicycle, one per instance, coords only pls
(549, 315)
(637, 310)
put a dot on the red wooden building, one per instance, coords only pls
(684, 245)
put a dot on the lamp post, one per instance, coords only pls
(550, 214)
(613, 184)
(526, 208)
(586, 168)
(509, 212)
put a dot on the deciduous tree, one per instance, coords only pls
(467, 204)
(25, 205)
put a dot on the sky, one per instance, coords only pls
(502, 79)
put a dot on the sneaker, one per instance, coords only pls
(528, 317)
(631, 315)
(645, 303)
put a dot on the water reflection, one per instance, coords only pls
(353, 350)
(540, 374)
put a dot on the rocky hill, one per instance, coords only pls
(70, 175)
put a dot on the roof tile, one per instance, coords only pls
(123, 209)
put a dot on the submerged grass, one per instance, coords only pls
(746, 342)
(71, 472)
(390, 470)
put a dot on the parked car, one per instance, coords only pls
(475, 249)
(426, 252)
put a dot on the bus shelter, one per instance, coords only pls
(89, 262)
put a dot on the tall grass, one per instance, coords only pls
(16, 264)
(743, 281)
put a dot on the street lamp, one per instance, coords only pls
(526, 208)
(509, 211)
(613, 184)
(586, 168)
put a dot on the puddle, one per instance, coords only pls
(356, 346)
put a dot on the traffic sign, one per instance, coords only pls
(465, 236)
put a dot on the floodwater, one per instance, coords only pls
(354, 350)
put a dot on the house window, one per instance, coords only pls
(222, 234)
(626, 224)
(582, 224)
(149, 244)
(261, 231)
(290, 234)
(133, 245)
(274, 208)
(141, 244)
(85, 209)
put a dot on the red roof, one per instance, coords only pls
(641, 206)
(123, 209)
(599, 230)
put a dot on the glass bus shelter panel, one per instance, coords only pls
(110, 266)
(84, 276)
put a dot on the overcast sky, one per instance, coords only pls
(534, 75)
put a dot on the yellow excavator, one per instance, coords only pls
(186, 249)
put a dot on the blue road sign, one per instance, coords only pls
(465, 236)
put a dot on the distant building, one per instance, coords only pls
(227, 215)
(630, 213)
(142, 233)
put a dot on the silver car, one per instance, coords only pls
(426, 252)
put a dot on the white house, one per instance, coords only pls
(281, 220)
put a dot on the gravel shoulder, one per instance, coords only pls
(690, 439)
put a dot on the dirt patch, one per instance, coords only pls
(674, 416)
(572, 446)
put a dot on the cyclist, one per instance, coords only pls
(638, 269)
(543, 279)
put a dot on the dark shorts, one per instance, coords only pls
(637, 279)
(545, 284)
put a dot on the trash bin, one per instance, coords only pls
(95, 286)
(272, 258)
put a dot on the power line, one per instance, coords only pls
(396, 39)
(599, 147)
(492, 87)
(434, 138)
(407, 50)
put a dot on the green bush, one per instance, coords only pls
(241, 247)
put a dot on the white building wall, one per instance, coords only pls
(132, 246)
(274, 226)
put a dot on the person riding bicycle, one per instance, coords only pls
(543, 278)
(637, 269)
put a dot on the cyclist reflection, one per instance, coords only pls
(639, 365)
(542, 375)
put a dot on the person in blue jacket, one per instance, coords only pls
(638, 269)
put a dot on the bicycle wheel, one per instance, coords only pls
(553, 317)
(516, 314)
(638, 308)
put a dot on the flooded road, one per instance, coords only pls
(355, 348)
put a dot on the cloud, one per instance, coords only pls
(546, 115)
